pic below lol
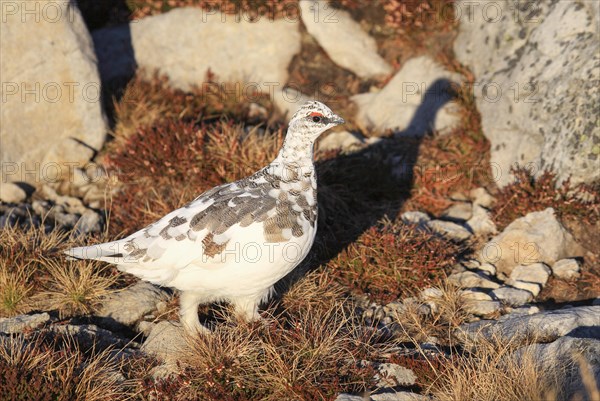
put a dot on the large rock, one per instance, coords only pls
(537, 237)
(185, 43)
(417, 100)
(536, 66)
(580, 322)
(343, 39)
(564, 359)
(51, 114)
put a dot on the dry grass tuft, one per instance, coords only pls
(75, 288)
(494, 372)
(15, 289)
(448, 312)
(35, 275)
(45, 368)
(301, 353)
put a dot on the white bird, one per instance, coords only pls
(235, 241)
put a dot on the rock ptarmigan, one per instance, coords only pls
(235, 241)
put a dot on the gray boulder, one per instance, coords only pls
(537, 71)
(52, 116)
(185, 43)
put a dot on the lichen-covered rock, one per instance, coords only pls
(51, 114)
(416, 101)
(537, 69)
(185, 43)
(343, 39)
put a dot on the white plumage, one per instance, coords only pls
(235, 241)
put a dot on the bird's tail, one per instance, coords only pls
(108, 252)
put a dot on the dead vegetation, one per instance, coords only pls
(49, 367)
(34, 275)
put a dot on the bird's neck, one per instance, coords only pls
(297, 151)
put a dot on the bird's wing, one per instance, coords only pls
(194, 232)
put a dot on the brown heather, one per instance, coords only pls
(44, 367)
(393, 261)
(529, 194)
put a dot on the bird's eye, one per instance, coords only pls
(316, 119)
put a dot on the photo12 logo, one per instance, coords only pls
(37, 11)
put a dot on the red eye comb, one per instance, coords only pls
(315, 114)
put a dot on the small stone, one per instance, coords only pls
(481, 197)
(482, 308)
(431, 293)
(89, 222)
(536, 237)
(459, 197)
(414, 217)
(349, 397)
(488, 268)
(448, 229)
(471, 264)
(392, 375)
(472, 295)
(480, 222)
(566, 269)
(129, 306)
(166, 341)
(79, 178)
(258, 112)
(470, 279)
(288, 101)
(530, 277)
(399, 396)
(460, 212)
(18, 324)
(512, 296)
(11, 193)
(394, 308)
(343, 140)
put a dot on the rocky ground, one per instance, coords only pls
(457, 254)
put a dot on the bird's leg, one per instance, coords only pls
(247, 308)
(188, 313)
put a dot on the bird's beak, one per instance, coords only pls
(337, 120)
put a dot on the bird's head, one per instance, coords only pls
(312, 119)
